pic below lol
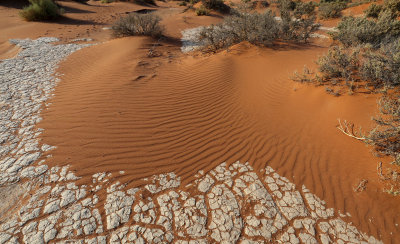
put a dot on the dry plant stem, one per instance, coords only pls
(361, 186)
(379, 170)
(348, 129)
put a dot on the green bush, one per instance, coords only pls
(331, 10)
(41, 10)
(287, 5)
(382, 67)
(202, 11)
(373, 10)
(392, 5)
(217, 5)
(335, 1)
(339, 62)
(138, 25)
(368, 56)
(262, 29)
(304, 8)
(259, 29)
(354, 31)
(144, 2)
(298, 20)
(386, 136)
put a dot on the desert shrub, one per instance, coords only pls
(382, 67)
(297, 24)
(392, 5)
(140, 2)
(138, 25)
(379, 68)
(331, 9)
(355, 31)
(217, 5)
(339, 62)
(304, 8)
(367, 55)
(286, 5)
(183, 3)
(202, 11)
(373, 10)
(335, 1)
(259, 3)
(259, 29)
(351, 4)
(386, 136)
(107, 1)
(41, 10)
(298, 21)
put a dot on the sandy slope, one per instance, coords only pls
(124, 111)
(118, 109)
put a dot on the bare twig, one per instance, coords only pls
(379, 170)
(348, 129)
(361, 186)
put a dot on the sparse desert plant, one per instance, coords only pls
(41, 10)
(183, 3)
(354, 31)
(334, 1)
(144, 2)
(297, 25)
(259, 29)
(138, 25)
(373, 10)
(386, 136)
(392, 5)
(339, 62)
(367, 56)
(298, 20)
(382, 67)
(202, 11)
(304, 8)
(107, 1)
(331, 10)
(353, 3)
(217, 5)
(286, 5)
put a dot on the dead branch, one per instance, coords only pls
(361, 186)
(348, 130)
(379, 170)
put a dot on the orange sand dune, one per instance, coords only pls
(117, 109)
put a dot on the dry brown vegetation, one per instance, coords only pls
(41, 10)
(367, 57)
(138, 25)
(296, 25)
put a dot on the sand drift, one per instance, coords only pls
(228, 204)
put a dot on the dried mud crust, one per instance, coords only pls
(231, 203)
(228, 204)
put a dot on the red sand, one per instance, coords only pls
(118, 109)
